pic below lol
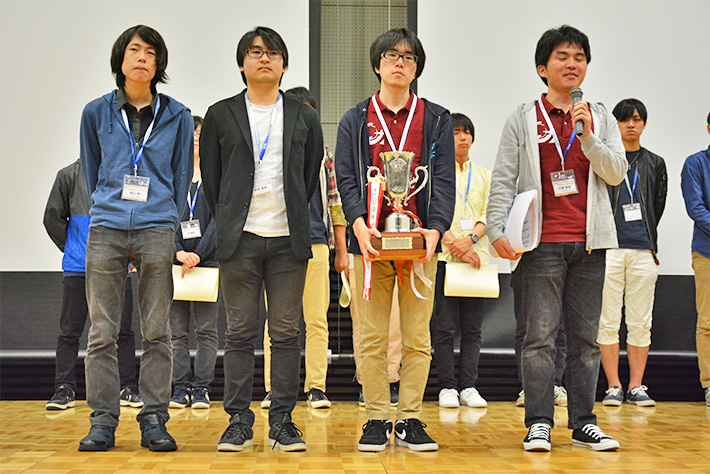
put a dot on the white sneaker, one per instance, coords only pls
(520, 402)
(449, 398)
(560, 396)
(470, 397)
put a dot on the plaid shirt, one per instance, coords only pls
(331, 198)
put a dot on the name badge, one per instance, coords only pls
(135, 188)
(468, 223)
(632, 212)
(261, 186)
(563, 183)
(191, 229)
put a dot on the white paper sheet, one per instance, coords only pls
(522, 226)
(200, 284)
(464, 280)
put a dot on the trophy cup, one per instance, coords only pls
(398, 242)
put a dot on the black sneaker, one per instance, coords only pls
(375, 435)
(100, 438)
(154, 436)
(200, 398)
(538, 438)
(411, 434)
(236, 437)
(62, 399)
(394, 394)
(266, 402)
(131, 398)
(592, 437)
(317, 399)
(286, 435)
(181, 398)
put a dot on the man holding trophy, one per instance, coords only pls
(395, 170)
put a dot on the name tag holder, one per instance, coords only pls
(563, 183)
(191, 229)
(135, 188)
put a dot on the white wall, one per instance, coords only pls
(54, 58)
(480, 62)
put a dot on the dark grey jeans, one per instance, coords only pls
(258, 262)
(561, 281)
(204, 316)
(108, 253)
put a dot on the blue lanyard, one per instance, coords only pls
(632, 189)
(554, 135)
(194, 199)
(138, 156)
(252, 119)
(468, 187)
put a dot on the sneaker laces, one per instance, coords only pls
(539, 430)
(614, 391)
(235, 430)
(594, 431)
(316, 394)
(417, 428)
(64, 390)
(372, 425)
(640, 390)
(291, 430)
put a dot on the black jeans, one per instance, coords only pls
(71, 325)
(450, 314)
(260, 262)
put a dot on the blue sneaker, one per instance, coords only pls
(181, 398)
(638, 396)
(154, 436)
(200, 398)
(100, 438)
(614, 397)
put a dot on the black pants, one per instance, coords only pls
(71, 325)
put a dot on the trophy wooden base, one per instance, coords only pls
(399, 246)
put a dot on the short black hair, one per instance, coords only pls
(624, 110)
(303, 95)
(150, 36)
(392, 38)
(708, 119)
(464, 123)
(554, 37)
(197, 120)
(271, 39)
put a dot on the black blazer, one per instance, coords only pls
(227, 165)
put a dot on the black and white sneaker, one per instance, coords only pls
(236, 437)
(130, 397)
(286, 435)
(538, 438)
(411, 434)
(317, 399)
(592, 437)
(376, 435)
(62, 399)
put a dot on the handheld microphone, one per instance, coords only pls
(576, 94)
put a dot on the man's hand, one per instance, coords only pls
(431, 238)
(364, 235)
(188, 259)
(502, 246)
(461, 246)
(448, 239)
(581, 112)
(341, 260)
(473, 258)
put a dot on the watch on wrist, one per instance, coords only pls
(474, 237)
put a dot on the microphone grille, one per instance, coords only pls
(576, 93)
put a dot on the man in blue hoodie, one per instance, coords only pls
(136, 157)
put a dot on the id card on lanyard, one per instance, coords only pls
(135, 187)
(467, 221)
(632, 211)
(262, 183)
(563, 182)
(191, 228)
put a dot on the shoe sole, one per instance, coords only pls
(519, 404)
(96, 448)
(200, 405)
(265, 405)
(448, 405)
(561, 404)
(166, 447)
(537, 446)
(126, 403)
(319, 404)
(287, 447)
(611, 403)
(483, 404)
(373, 448)
(417, 447)
(178, 405)
(235, 448)
(610, 445)
(57, 406)
(643, 403)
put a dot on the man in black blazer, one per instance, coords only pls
(261, 154)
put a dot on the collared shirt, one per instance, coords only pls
(564, 217)
(474, 208)
(379, 143)
(139, 120)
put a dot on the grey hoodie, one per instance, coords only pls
(517, 169)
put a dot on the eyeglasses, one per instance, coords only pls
(392, 55)
(256, 52)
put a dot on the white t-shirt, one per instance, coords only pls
(267, 211)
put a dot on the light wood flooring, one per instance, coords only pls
(670, 438)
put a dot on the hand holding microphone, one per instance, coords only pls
(576, 94)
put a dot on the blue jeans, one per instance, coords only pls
(561, 281)
(260, 262)
(108, 253)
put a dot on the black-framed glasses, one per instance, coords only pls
(392, 55)
(256, 52)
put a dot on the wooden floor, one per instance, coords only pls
(670, 438)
